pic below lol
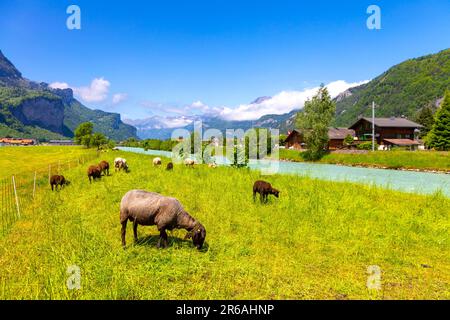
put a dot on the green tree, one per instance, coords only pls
(314, 121)
(439, 136)
(111, 144)
(348, 140)
(425, 117)
(83, 133)
(283, 138)
(98, 140)
(132, 142)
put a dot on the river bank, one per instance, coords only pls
(414, 161)
(406, 181)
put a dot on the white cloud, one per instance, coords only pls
(119, 97)
(198, 104)
(59, 85)
(160, 122)
(282, 102)
(97, 91)
(175, 116)
(175, 122)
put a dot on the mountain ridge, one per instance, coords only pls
(402, 90)
(31, 109)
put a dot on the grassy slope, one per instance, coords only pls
(18, 160)
(316, 241)
(426, 160)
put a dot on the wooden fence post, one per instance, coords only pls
(34, 185)
(17, 199)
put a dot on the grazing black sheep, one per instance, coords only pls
(94, 172)
(57, 180)
(264, 189)
(169, 166)
(149, 208)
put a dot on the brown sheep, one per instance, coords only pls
(169, 166)
(94, 172)
(104, 167)
(57, 180)
(264, 189)
(149, 208)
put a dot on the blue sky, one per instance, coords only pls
(166, 57)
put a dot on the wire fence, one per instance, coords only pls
(18, 191)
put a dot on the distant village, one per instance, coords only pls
(33, 142)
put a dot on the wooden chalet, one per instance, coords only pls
(336, 138)
(388, 131)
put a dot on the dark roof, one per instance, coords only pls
(292, 133)
(391, 122)
(340, 133)
(61, 142)
(333, 133)
(402, 142)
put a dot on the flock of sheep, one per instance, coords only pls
(148, 208)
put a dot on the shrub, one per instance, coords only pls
(367, 146)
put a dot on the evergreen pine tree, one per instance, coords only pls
(425, 117)
(439, 136)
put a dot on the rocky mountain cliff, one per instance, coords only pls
(30, 109)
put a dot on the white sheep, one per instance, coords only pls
(189, 162)
(157, 161)
(120, 163)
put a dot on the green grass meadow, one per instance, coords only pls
(22, 160)
(315, 242)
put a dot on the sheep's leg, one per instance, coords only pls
(52, 186)
(124, 230)
(254, 195)
(162, 242)
(135, 226)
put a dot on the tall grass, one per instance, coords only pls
(316, 241)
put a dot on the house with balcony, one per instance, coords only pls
(389, 132)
